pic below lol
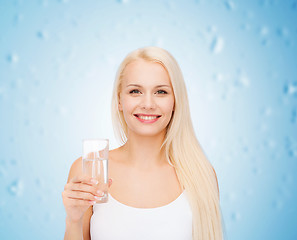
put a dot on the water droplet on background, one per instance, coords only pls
(250, 14)
(228, 159)
(123, 1)
(62, 111)
(13, 162)
(264, 31)
(16, 188)
(270, 143)
(282, 32)
(2, 162)
(235, 216)
(266, 3)
(2, 203)
(265, 42)
(266, 111)
(245, 149)
(17, 83)
(42, 131)
(49, 217)
(159, 42)
(232, 196)
(294, 116)
(285, 192)
(27, 122)
(2, 172)
(277, 204)
(42, 34)
(264, 127)
(245, 27)
(2, 92)
(44, 3)
(210, 96)
(64, 1)
(229, 5)
(13, 58)
(264, 34)
(256, 171)
(219, 77)
(249, 192)
(211, 29)
(217, 45)
(287, 178)
(28, 216)
(291, 147)
(244, 81)
(18, 18)
(291, 89)
(39, 182)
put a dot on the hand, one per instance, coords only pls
(78, 195)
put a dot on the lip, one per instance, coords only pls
(147, 121)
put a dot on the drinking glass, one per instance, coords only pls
(95, 163)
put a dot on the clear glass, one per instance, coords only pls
(95, 163)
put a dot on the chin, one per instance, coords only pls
(149, 133)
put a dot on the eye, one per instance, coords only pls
(161, 92)
(134, 91)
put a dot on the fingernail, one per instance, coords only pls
(95, 181)
(100, 193)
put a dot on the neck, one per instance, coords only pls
(143, 152)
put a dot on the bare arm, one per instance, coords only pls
(78, 230)
(79, 195)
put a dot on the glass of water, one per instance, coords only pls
(95, 163)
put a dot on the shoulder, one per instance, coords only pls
(115, 155)
(76, 168)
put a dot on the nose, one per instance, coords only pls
(148, 102)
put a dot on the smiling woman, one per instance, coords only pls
(163, 185)
(146, 98)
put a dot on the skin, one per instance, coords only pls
(78, 199)
(140, 95)
(140, 172)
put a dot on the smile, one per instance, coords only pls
(147, 118)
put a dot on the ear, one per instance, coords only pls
(120, 107)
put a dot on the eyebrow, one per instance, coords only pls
(136, 85)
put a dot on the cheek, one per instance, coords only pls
(168, 105)
(127, 104)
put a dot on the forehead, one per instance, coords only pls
(145, 73)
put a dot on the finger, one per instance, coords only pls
(81, 187)
(84, 179)
(82, 196)
(79, 202)
(109, 182)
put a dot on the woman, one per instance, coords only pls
(163, 185)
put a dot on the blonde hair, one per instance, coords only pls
(182, 149)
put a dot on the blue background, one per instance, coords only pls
(58, 61)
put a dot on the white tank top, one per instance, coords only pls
(116, 221)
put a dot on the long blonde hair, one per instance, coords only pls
(182, 149)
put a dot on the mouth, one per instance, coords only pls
(147, 118)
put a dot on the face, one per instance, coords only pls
(146, 98)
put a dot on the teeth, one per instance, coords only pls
(147, 117)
